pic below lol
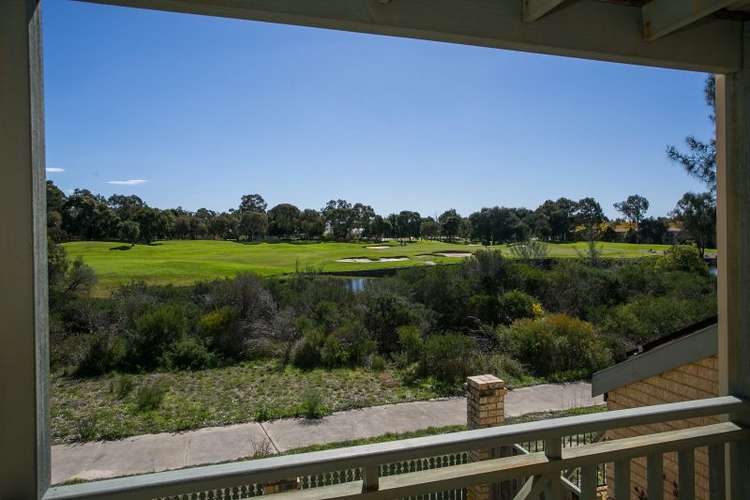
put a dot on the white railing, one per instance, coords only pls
(540, 470)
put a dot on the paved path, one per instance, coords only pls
(155, 452)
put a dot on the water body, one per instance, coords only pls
(357, 284)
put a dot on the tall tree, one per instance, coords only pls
(450, 224)
(253, 203)
(408, 224)
(340, 217)
(253, 225)
(311, 224)
(560, 215)
(700, 159)
(379, 227)
(634, 208)
(697, 213)
(429, 228)
(589, 214)
(283, 220)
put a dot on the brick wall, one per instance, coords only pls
(692, 381)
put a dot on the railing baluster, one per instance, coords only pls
(686, 474)
(588, 482)
(622, 480)
(716, 485)
(553, 451)
(655, 477)
(371, 479)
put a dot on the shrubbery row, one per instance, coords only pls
(561, 319)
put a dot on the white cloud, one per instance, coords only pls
(55, 170)
(129, 182)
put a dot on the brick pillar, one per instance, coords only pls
(485, 407)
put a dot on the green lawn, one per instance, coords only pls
(89, 409)
(185, 262)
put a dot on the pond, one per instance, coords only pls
(357, 284)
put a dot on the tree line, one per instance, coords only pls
(84, 215)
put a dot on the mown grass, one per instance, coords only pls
(186, 262)
(96, 408)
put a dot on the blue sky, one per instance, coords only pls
(203, 110)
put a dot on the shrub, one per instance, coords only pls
(333, 354)
(262, 413)
(410, 340)
(530, 249)
(488, 269)
(684, 258)
(306, 353)
(312, 404)
(577, 289)
(516, 305)
(102, 354)
(447, 358)
(501, 365)
(121, 386)
(155, 333)
(377, 363)
(189, 353)
(557, 343)
(385, 312)
(485, 307)
(86, 429)
(150, 395)
(221, 330)
(647, 317)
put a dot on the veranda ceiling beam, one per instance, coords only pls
(585, 28)
(662, 17)
(534, 9)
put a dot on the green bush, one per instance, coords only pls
(647, 317)
(121, 386)
(189, 353)
(149, 396)
(410, 340)
(516, 305)
(102, 354)
(684, 258)
(220, 330)
(377, 363)
(155, 333)
(557, 343)
(501, 365)
(333, 354)
(384, 313)
(312, 404)
(306, 353)
(448, 358)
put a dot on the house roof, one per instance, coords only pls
(688, 345)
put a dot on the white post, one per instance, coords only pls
(733, 219)
(24, 459)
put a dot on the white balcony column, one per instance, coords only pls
(24, 455)
(733, 218)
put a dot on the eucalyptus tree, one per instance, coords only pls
(634, 208)
(697, 213)
(283, 220)
(253, 203)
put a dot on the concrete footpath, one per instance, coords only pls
(157, 452)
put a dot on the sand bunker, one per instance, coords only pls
(365, 260)
(381, 247)
(454, 254)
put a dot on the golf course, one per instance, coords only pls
(182, 262)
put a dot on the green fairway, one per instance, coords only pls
(185, 261)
